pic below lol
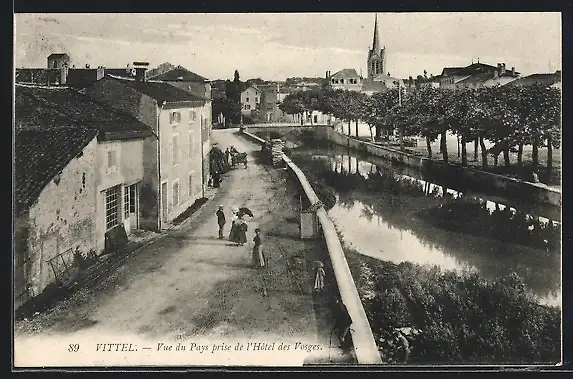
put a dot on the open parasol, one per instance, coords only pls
(244, 211)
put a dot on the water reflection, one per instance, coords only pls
(383, 234)
(383, 231)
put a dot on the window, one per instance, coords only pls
(112, 198)
(192, 116)
(175, 149)
(248, 106)
(256, 99)
(247, 99)
(191, 144)
(191, 182)
(111, 159)
(341, 81)
(174, 117)
(333, 81)
(176, 193)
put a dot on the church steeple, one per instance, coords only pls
(376, 61)
(376, 38)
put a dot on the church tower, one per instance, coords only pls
(376, 63)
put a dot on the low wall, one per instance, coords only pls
(510, 187)
(364, 345)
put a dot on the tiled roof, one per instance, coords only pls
(346, 72)
(253, 87)
(40, 155)
(160, 91)
(42, 76)
(473, 68)
(369, 85)
(543, 79)
(48, 106)
(477, 78)
(121, 72)
(81, 77)
(180, 74)
(58, 55)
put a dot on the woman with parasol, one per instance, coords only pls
(234, 218)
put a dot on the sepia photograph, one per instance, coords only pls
(287, 190)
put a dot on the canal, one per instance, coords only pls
(394, 232)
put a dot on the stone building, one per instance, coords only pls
(89, 203)
(54, 199)
(176, 164)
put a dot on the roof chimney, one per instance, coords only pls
(141, 71)
(513, 71)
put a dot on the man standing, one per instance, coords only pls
(221, 221)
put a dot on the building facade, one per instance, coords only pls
(55, 194)
(346, 79)
(176, 163)
(250, 100)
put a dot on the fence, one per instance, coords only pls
(363, 341)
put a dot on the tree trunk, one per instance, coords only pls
(429, 147)
(401, 137)
(535, 153)
(458, 143)
(371, 135)
(356, 128)
(520, 154)
(464, 151)
(495, 158)
(476, 149)
(483, 152)
(443, 145)
(506, 156)
(378, 132)
(549, 155)
(349, 130)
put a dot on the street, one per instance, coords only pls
(188, 285)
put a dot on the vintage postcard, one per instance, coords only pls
(287, 189)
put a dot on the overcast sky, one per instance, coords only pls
(276, 46)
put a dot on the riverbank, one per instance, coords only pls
(448, 307)
(462, 318)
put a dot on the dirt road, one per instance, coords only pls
(189, 286)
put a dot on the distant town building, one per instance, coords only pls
(376, 62)
(250, 99)
(476, 75)
(550, 80)
(345, 79)
(183, 78)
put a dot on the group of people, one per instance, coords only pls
(238, 235)
(229, 154)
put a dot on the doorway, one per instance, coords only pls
(164, 204)
(131, 208)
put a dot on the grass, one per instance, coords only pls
(463, 318)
